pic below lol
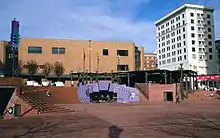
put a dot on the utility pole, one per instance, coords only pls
(181, 81)
(90, 55)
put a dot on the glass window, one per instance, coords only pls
(62, 50)
(54, 50)
(122, 52)
(105, 52)
(34, 50)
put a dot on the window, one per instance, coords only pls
(192, 28)
(183, 29)
(184, 50)
(210, 36)
(210, 50)
(194, 56)
(62, 50)
(34, 50)
(182, 15)
(192, 35)
(208, 16)
(209, 22)
(184, 36)
(210, 57)
(193, 49)
(122, 52)
(210, 43)
(191, 14)
(123, 67)
(192, 21)
(193, 42)
(55, 50)
(184, 56)
(105, 52)
(209, 29)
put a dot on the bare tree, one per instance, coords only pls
(20, 67)
(32, 67)
(47, 69)
(59, 69)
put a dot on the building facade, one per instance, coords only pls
(150, 61)
(186, 36)
(82, 55)
(217, 44)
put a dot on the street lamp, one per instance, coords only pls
(165, 77)
(181, 81)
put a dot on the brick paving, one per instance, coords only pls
(198, 119)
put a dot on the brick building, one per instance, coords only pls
(150, 61)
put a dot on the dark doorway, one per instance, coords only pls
(168, 96)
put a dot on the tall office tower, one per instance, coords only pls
(186, 36)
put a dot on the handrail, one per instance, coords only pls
(141, 91)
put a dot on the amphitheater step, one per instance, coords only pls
(56, 110)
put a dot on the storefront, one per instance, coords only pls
(209, 80)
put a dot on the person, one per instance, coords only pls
(72, 83)
(177, 98)
(48, 93)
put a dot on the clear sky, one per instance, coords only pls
(105, 20)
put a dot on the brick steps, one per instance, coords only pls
(37, 98)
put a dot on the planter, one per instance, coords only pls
(59, 84)
(45, 83)
(30, 83)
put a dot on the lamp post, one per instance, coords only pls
(118, 66)
(181, 81)
(71, 78)
(165, 77)
(128, 74)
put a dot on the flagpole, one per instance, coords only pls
(84, 59)
(98, 61)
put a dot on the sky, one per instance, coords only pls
(102, 20)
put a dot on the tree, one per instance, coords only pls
(59, 69)
(47, 69)
(31, 67)
(20, 67)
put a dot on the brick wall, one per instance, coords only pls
(24, 106)
(156, 91)
(12, 81)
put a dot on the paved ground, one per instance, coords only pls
(190, 119)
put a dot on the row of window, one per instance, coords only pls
(61, 50)
(38, 50)
(199, 16)
(172, 60)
